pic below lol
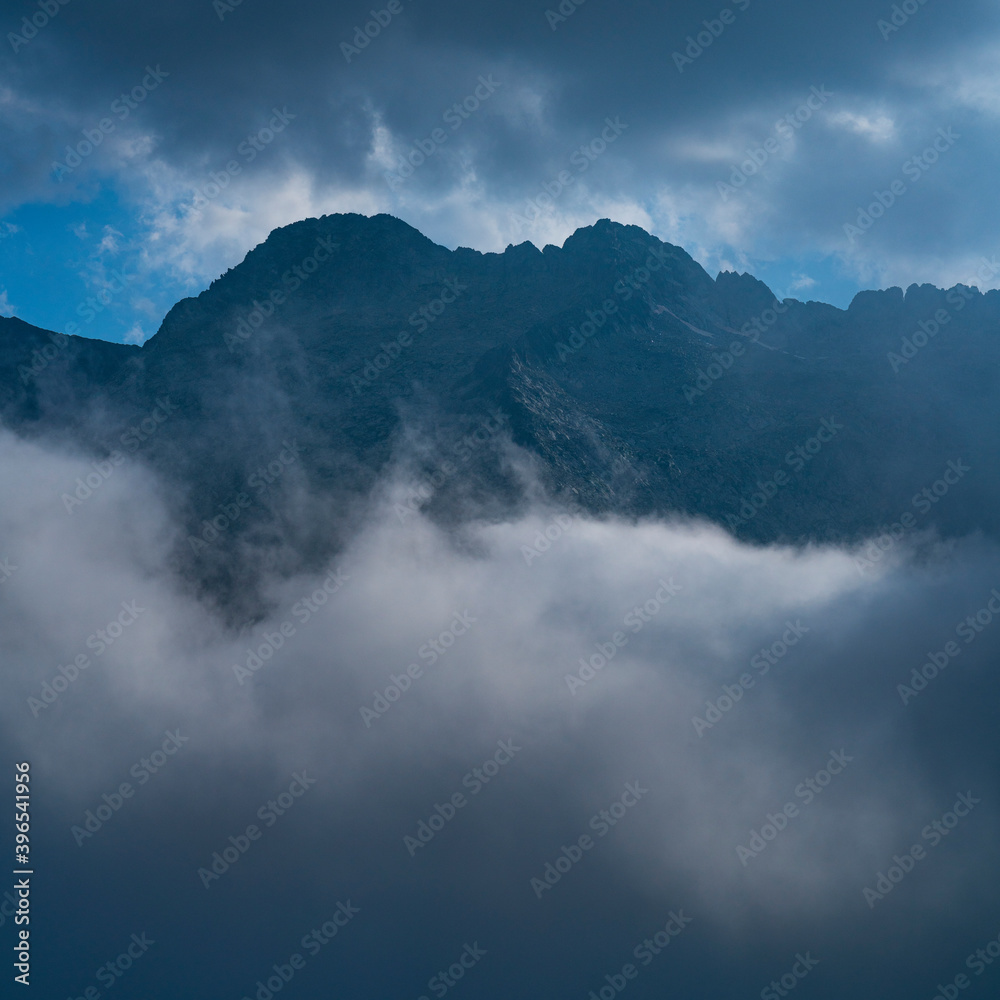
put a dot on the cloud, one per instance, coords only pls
(189, 238)
(354, 119)
(110, 241)
(877, 128)
(136, 336)
(801, 282)
(722, 679)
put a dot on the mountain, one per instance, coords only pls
(630, 380)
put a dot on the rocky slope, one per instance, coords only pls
(634, 382)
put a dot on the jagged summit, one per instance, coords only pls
(637, 384)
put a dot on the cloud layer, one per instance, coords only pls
(726, 724)
(195, 132)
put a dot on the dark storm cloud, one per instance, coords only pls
(690, 123)
(690, 687)
(658, 688)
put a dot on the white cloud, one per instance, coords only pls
(801, 282)
(505, 676)
(196, 245)
(966, 79)
(110, 241)
(702, 150)
(136, 335)
(876, 127)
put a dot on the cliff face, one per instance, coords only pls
(638, 384)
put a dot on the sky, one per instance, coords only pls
(147, 149)
(796, 745)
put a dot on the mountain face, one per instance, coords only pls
(629, 381)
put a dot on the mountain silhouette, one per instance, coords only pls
(613, 373)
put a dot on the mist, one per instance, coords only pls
(558, 734)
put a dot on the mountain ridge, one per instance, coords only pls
(278, 240)
(632, 382)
